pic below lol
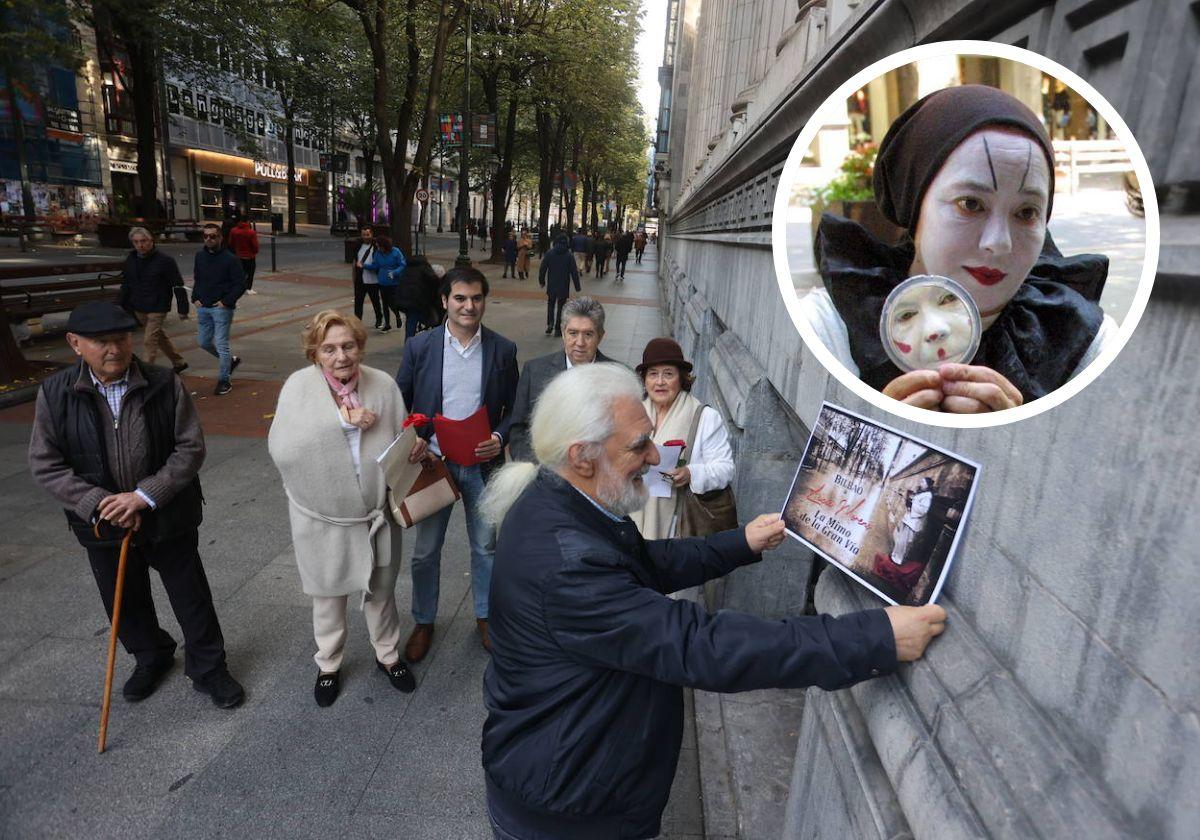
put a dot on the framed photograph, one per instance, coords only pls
(880, 505)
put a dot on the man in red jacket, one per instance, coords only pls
(243, 241)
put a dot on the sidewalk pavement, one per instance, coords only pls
(376, 763)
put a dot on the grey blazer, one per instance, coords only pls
(535, 376)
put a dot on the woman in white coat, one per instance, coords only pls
(334, 418)
(667, 377)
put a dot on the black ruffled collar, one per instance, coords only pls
(1037, 341)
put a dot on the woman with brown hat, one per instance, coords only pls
(677, 415)
(968, 172)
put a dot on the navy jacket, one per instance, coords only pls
(557, 271)
(217, 277)
(583, 691)
(148, 283)
(420, 380)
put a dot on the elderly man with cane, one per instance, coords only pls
(584, 689)
(118, 443)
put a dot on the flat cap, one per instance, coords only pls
(99, 318)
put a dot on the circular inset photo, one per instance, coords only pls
(969, 234)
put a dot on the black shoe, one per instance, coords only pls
(180, 368)
(385, 328)
(233, 364)
(378, 324)
(399, 675)
(223, 388)
(144, 680)
(558, 333)
(327, 688)
(225, 691)
(549, 330)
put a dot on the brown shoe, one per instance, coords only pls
(418, 643)
(481, 623)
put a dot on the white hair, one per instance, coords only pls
(576, 407)
(140, 231)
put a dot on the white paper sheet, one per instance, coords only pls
(399, 474)
(659, 485)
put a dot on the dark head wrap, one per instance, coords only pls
(920, 140)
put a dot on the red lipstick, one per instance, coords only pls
(986, 276)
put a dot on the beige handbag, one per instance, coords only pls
(433, 490)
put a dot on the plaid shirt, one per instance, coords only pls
(114, 395)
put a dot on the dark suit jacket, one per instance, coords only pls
(420, 380)
(534, 379)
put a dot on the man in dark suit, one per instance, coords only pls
(582, 328)
(453, 371)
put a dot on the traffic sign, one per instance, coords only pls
(422, 195)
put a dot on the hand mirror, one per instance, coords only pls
(928, 321)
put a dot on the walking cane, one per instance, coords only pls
(112, 636)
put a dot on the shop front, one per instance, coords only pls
(229, 185)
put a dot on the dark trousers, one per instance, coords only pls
(177, 562)
(361, 292)
(248, 269)
(412, 324)
(601, 265)
(621, 260)
(554, 307)
(639, 256)
(387, 296)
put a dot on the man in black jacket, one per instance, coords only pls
(623, 246)
(149, 283)
(118, 443)
(556, 275)
(583, 693)
(217, 283)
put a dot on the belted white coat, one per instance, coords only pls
(342, 531)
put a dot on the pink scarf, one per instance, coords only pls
(346, 392)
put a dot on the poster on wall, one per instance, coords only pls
(883, 507)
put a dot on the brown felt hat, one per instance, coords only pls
(663, 351)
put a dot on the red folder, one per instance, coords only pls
(458, 438)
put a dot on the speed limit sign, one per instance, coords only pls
(422, 195)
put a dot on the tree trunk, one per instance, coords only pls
(143, 77)
(289, 142)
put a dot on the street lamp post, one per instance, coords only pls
(463, 258)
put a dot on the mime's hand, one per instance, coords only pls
(764, 532)
(975, 389)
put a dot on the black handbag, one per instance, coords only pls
(701, 514)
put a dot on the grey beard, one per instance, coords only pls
(618, 495)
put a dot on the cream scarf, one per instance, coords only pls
(656, 520)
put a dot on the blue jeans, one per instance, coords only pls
(429, 536)
(214, 322)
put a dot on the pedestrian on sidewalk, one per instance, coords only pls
(524, 248)
(118, 443)
(639, 245)
(623, 246)
(582, 331)
(604, 249)
(591, 656)
(579, 247)
(217, 283)
(557, 272)
(471, 232)
(243, 241)
(594, 243)
(509, 246)
(388, 264)
(483, 234)
(411, 296)
(453, 371)
(150, 282)
(334, 418)
(366, 282)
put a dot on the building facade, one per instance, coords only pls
(1062, 699)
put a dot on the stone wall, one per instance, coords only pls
(1063, 698)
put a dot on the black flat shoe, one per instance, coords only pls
(399, 675)
(225, 691)
(145, 680)
(233, 364)
(327, 688)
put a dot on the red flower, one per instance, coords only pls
(416, 420)
(678, 443)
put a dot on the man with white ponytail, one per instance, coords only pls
(584, 689)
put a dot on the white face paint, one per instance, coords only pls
(929, 325)
(983, 219)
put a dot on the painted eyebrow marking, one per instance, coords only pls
(988, 151)
(1028, 161)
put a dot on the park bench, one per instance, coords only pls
(1088, 157)
(21, 298)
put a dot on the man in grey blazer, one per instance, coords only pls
(582, 328)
